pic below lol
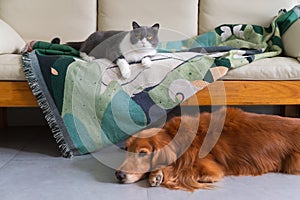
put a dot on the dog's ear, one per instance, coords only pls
(164, 152)
(163, 157)
(172, 126)
(174, 139)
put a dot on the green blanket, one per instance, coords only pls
(89, 105)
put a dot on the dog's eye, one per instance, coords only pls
(142, 153)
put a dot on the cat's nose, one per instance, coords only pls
(143, 42)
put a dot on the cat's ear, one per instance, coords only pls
(156, 26)
(135, 25)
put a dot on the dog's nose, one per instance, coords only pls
(121, 176)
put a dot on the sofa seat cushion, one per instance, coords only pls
(277, 68)
(11, 67)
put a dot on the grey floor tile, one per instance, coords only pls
(83, 178)
(31, 168)
(266, 187)
(18, 142)
(41, 147)
(6, 156)
(12, 140)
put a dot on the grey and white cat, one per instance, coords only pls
(122, 47)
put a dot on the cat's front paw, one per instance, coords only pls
(126, 73)
(146, 62)
(124, 68)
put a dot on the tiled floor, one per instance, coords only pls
(31, 169)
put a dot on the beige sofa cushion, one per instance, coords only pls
(277, 68)
(11, 67)
(291, 40)
(43, 20)
(178, 18)
(260, 12)
(10, 40)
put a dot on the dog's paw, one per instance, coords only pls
(156, 178)
(209, 179)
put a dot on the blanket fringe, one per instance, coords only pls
(45, 107)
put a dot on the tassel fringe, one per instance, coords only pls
(45, 106)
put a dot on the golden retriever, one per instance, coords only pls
(192, 152)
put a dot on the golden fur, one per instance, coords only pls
(192, 152)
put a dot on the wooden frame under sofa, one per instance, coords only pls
(18, 94)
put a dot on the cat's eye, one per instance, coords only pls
(149, 37)
(138, 36)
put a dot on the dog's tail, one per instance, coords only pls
(75, 45)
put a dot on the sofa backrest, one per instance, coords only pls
(74, 20)
(213, 13)
(46, 19)
(178, 19)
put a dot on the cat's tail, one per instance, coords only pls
(55, 40)
(75, 45)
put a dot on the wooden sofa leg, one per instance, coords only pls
(2, 117)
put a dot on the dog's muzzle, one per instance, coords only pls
(121, 176)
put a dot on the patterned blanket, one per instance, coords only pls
(88, 105)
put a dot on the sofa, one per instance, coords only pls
(270, 81)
